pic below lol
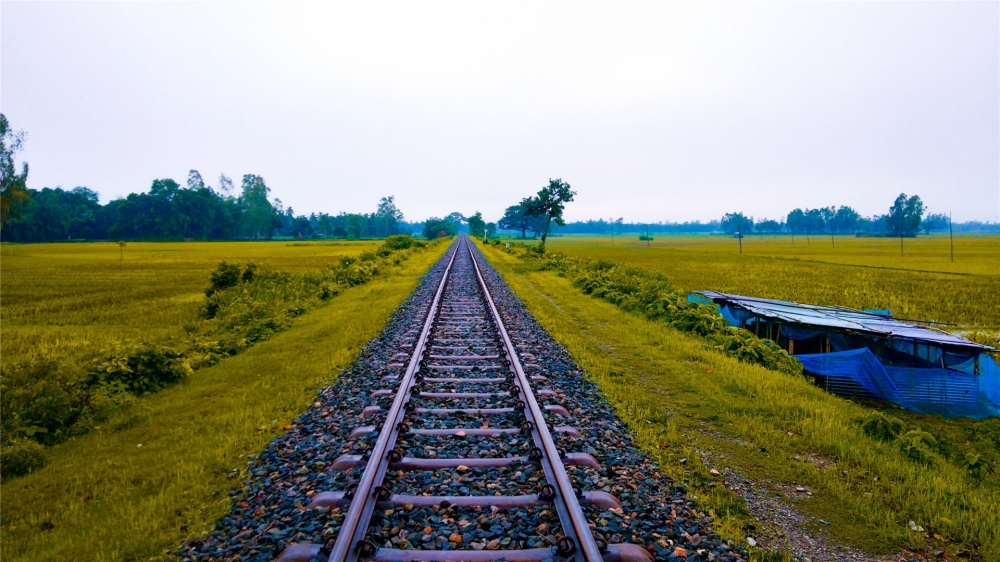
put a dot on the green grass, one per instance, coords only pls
(102, 497)
(858, 272)
(680, 398)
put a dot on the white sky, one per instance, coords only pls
(652, 111)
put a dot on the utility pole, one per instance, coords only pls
(612, 231)
(739, 233)
(951, 236)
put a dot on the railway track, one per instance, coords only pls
(462, 379)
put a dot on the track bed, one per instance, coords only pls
(462, 433)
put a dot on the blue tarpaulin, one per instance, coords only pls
(873, 355)
(924, 391)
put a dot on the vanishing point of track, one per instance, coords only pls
(463, 342)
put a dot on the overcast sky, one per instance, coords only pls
(652, 111)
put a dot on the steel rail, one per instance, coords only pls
(359, 514)
(565, 501)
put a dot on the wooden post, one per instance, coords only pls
(951, 236)
(791, 346)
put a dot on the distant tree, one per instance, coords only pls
(13, 186)
(457, 218)
(300, 227)
(515, 219)
(904, 216)
(846, 220)
(387, 217)
(435, 227)
(195, 180)
(491, 229)
(55, 214)
(355, 226)
(225, 185)
(768, 225)
(936, 221)
(814, 222)
(259, 217)
(736, 222)
(477, 226)
(796, 221)
(549, 203)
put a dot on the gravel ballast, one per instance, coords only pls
(269, 510)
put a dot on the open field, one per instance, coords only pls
(102, 496)
(685, 401)
(69, 301)
(858, 272)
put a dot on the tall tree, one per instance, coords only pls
(904, 216)
(477, 226)
(515, 219)
(355, 226)
(195, 180)
(225, 185)
(13, 186)
(796, 221)
(733, 223)
(259, 217)
(549, 203)
(387, 216)
(846, 220)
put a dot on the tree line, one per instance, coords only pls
(905, 218)
(168, 211)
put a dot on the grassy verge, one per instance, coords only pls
(103, 497)
(682, 399)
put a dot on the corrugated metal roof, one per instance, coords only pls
(839, 318)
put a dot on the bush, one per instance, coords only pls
(140, 369)
(225, 276)
(21, 456)
(39, 400)
(652, 295)
(397, 242)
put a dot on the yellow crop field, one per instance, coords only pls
(923, 284)
(69, 301)
(103, 497)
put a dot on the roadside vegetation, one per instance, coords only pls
(53, 392)
(864, 473)
(133, 489)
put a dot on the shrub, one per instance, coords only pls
(397, 242)
(140, 369)
(918, 445)
(249, 272)
(882, 427)
(21, 456)
(225, 276)
(652, 295)
(39, 400)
